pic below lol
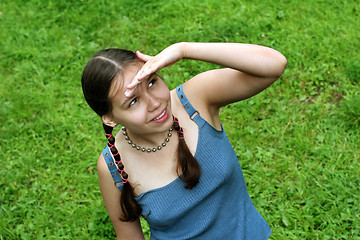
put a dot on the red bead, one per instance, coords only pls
(176, 126)
(111, 140)
(124, 175)
(121, 166)
(113, 150)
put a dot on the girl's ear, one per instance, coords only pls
(107, 120)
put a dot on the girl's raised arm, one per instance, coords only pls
(249, 69)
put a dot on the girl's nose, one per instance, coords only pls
(153, 102)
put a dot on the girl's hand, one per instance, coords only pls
(165, 58)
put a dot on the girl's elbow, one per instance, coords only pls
(282, 63)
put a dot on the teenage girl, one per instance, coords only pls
(171, 161)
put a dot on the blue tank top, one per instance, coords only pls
(218, 207)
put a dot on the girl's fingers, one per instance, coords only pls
(143, 56)
(134, 82)
(152, 64)
(144, 72)
(149, 68)
(129, 92)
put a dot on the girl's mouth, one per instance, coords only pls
(162, 117)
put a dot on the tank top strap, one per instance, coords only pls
(112, 168)
(193, 113)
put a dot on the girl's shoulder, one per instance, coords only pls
(196, 97)
(102, 167)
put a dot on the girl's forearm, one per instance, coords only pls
(252, 59)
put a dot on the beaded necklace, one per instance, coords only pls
(148, 150)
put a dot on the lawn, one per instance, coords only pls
(298, 142)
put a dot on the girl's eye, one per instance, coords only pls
(152, 82)
(133, 102)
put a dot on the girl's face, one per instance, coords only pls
(147, 111)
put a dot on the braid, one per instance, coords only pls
(129, 205)
(191, 170)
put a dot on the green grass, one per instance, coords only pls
(297, 142)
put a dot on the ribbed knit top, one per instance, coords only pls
(218, 207)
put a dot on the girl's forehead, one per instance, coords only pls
(116, 84)
(122, 79)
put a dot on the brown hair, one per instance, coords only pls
(96, 81)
